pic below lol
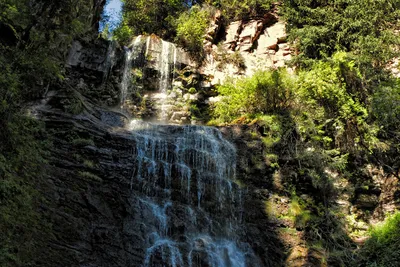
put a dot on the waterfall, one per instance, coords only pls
(190, 171)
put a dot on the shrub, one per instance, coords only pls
(241, 9)
(236, 59)
(333, 103)
(386, 105)
(190, 29)
(265, 91)
(383, 248)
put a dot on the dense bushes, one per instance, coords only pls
(151, 16)
(330, 94)
(241, 9)
(266, 91)
(21, 170)
(34, 39)
(320, 122)
(383, 248)
(190, 30)
(365, 28)
(184, 21)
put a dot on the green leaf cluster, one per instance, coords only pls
(330, 95)
(366, 28)
(150, 16)
(265, 91)
(190, 30)
(35, 37)
(241, 9)
(383, 248)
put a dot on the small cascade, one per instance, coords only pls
(192, 205)
(150, 68)
(166, 66)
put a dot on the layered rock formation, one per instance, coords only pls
(122, 192)
(137, 194)
(245, 47)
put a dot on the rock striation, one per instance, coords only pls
(140, 194)
(258, 44)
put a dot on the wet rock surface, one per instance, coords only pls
(148, 195)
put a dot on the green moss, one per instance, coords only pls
(88, 163)
(192, 90)
(82, 142)
(90, 176)
(383, 247)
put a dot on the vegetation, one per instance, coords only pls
(35, 36)
(339, 111)
(150, 16)
(224, 57)
(190, 29)
(365, 28)
(264, 92)
(382, 249)
(183, 21)
(241, 9)
(335, 114)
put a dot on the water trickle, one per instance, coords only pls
(132, 55)
(166, 59)
(126, 76)
(170, 253)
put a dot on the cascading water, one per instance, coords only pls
(167, 56)
(184, 198)
(151, 48)
(164, 65)
(188, 170)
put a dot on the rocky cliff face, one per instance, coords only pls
(156, 80)
(244, 47)
(148, 195)
(121, 192)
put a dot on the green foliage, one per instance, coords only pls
(271, 129)
(21, 168)
(190, 30)
(266, 91)
(383, 247)
(235, 58)
(34, 39)
(365, 28)
(386, 105)
(241, 9)
(149, 16)
(184, 21)
(331, 94)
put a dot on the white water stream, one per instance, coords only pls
(185, 170)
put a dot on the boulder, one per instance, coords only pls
(251, 31)
(232, 34)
